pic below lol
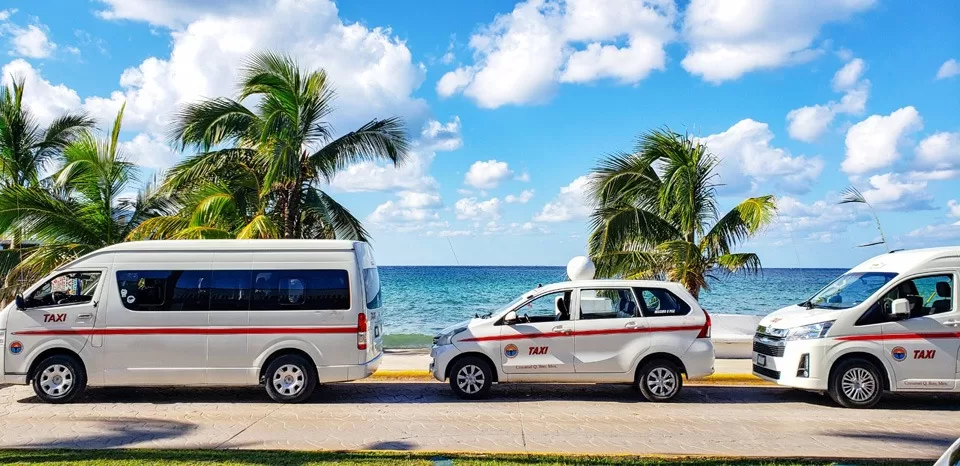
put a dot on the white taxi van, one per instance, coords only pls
(889, 324)
(288, 314)
(596, 331)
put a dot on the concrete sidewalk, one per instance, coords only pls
(412, 364)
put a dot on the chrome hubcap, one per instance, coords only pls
(470, 379)
(288, 380)
(661, 382)
(858, 384)
(56, 380)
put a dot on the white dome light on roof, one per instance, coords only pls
(581, 268)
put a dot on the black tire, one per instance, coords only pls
(856, 383)
(59, 379)
(660, 380)
(471, 378)
(290, 379)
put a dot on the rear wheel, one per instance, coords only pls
(471, 378)
(59, 379)
(660, 380)
(290, 379)
(856, 383)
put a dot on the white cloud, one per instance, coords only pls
(746, 156)
(46, 101)
(808, 123)
(493, 228)
(521, 56)
(373, 176)
(148, 151)
(730, 38)
(31, 41)
(940, 151)
(849, 75)
(487, 175)
(824, 220)
(372, 70)
(873, 143)
(5, 14)
(573, 203)
(469, 208)
(953, 208)
(523, 177)
(890, 191)
(522, 198)
(948, 69)
(410, 206)
(441, 136)
(448, 233)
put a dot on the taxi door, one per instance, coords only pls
(541, 341)
(923, 349)
(609, 331)
(63, 308)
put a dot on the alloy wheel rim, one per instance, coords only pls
(56, 380)
(858, 384)
(288, 380)
(662, 382)
(470, 379)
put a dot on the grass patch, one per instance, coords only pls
(259, 457)
(407, 341)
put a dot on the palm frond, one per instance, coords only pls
(740, 262)
(742, 222)
(323, 212)
(261, 227)
(377, 140)
(160, 227)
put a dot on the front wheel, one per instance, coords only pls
(856, 383)
(471, 378)
(660, 380)
(290, 379)
(59, 379)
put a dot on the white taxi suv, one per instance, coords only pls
(646, 333)
(889, 324)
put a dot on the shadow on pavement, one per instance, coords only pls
(119, 432)
(396, 445)
(923, 439)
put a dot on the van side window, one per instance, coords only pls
(230, 290)
(65, 289)
(165, 290)
(658, 302)
(929, 295)
(608, 304)
(314, 290)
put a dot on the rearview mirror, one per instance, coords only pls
(21, 304)
(510, 318)
(900, 308)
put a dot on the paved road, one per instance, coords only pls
(537, 418)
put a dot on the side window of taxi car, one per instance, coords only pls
(658, 302)
(549, 307)
(65, 289)
(927, 295)
(614, 303)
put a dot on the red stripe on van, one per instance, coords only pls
(901, 336)
(190, 331)
(586, 333)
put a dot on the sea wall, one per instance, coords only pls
(733, 335)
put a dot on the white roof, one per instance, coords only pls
(603, 283)
(905, 261)
(231, 245)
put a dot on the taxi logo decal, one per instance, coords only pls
(511, 351)
(54, 317)
(16, 347)
(539, 349)
(924, 354)
(899, 353)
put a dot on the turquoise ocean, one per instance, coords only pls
(419, 301)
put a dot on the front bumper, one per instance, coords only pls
(440, 357)
(784, 369)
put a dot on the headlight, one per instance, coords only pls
(808, 332)
(447, 338)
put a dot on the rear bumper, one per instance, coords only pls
(699, 359)
(347, 373)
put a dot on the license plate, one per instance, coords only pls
(761, 360)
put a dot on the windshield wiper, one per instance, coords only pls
(807, 304)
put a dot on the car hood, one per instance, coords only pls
(462, 324)
(796, 316)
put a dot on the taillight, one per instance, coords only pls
(705, 331)
(362, 331)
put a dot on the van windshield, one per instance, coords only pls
(850, 290)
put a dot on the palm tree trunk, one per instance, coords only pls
(292, 211)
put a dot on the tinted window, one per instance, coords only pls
(165, 290)
(658, 302)
(371, 287)
(608, 304)
(230, 290)
(300, 290)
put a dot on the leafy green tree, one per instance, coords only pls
(79, 209)
(258, 169)
(656, 215)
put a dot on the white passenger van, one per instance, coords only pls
(889, 324)
(287, 314)
(646, 333)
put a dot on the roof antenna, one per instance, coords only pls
(453, 251)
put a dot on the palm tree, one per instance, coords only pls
(78, 210)
(257, 171)
(656, 215)
(852, 195)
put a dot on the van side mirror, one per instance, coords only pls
(900, 308)
(510, 318)
(21, 304)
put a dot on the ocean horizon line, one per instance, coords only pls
(564, 266)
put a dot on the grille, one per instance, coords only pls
(766, 372)
(769, 350)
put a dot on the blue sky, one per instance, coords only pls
(512, 104)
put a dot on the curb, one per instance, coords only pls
(715, 379)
